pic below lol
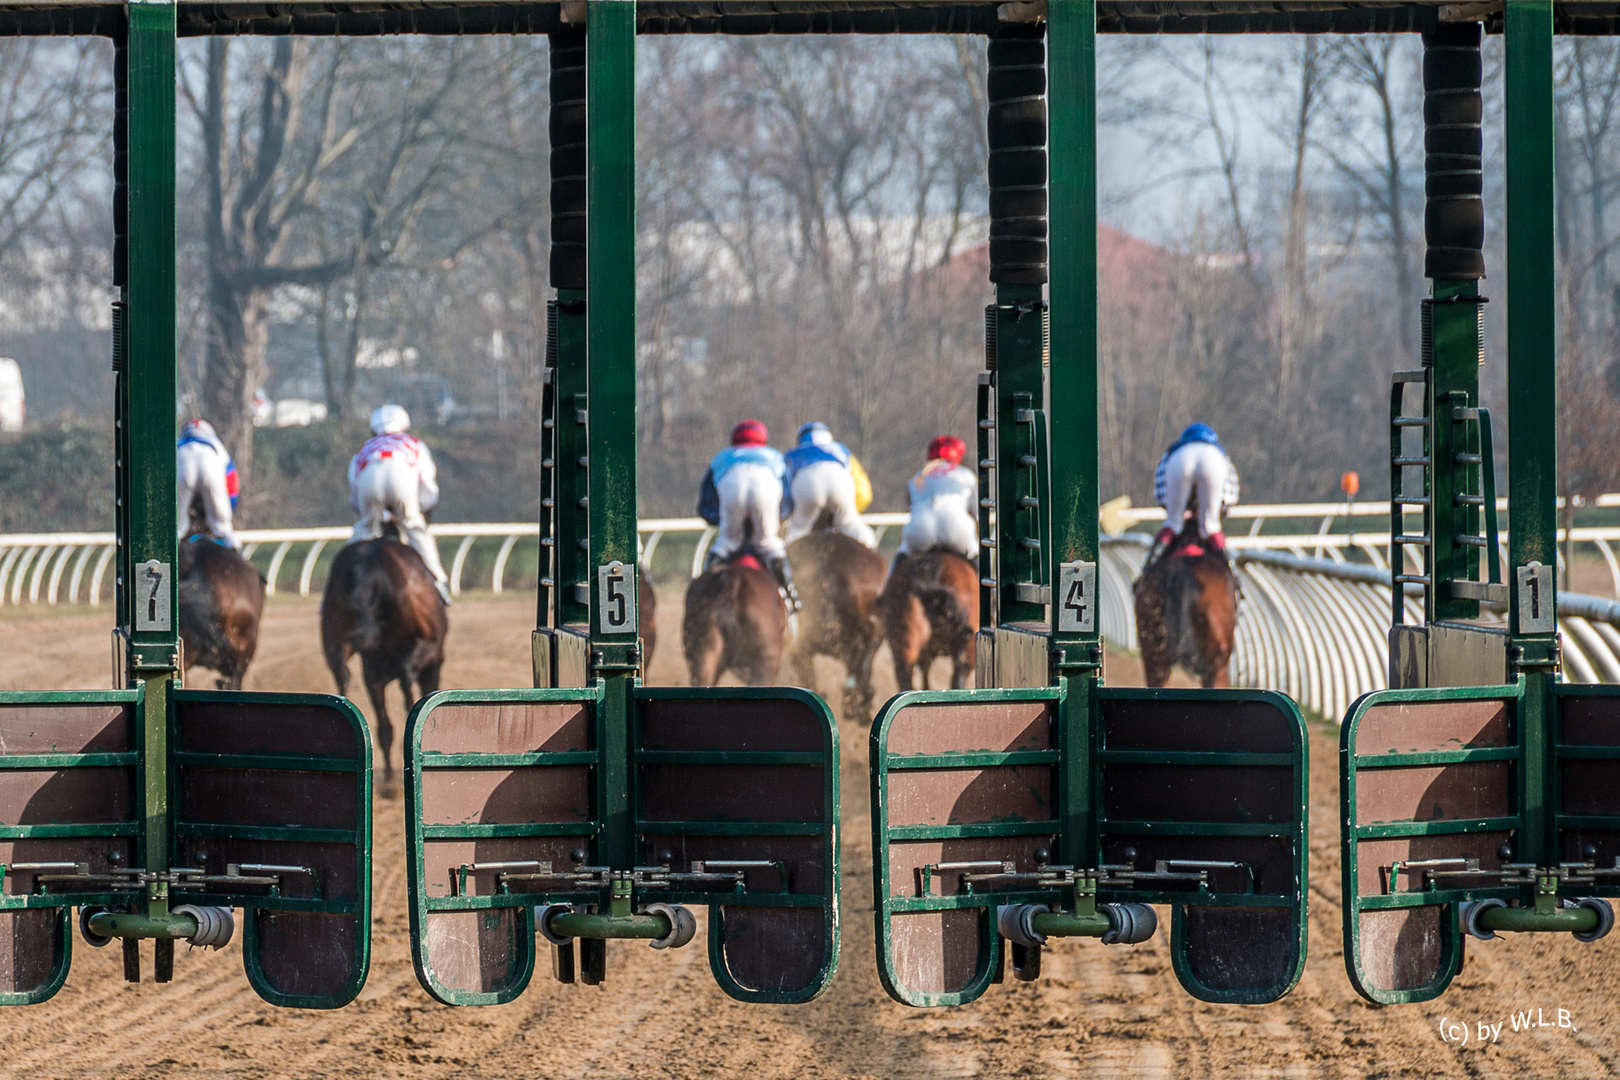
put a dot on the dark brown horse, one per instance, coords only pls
(221, 603)
(1186, 613)
(380, 603)
(647, 619)
(839, 579)
(930, 608)
(734, 621)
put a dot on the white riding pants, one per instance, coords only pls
(944, 523)
(390, 488)
(1197, 468)
(750, 508)
(201, 471)
(827, 485)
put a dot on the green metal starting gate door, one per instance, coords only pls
(998, 814)
(728, 799)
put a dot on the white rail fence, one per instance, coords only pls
(1313, 623)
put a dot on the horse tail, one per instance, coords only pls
(940, 602)
(367, 590)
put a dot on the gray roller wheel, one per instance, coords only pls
(1605, 914)
(215, 925)
(542, 919)
(91, 938)
(1128, 924)
(682, 925)
(1470, 910)
(1016, 923)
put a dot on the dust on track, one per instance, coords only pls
(1097, 1011)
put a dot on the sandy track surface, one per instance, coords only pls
(1098, 1012)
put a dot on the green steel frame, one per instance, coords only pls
(621, 840)
(1082, 826)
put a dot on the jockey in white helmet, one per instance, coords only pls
(742, 498)
(944, 504)
(823, 475)
(1194, 468)
(393, 477)
(206, 473)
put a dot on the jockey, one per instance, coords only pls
(824, 475)
(1194, 468)
(393, 476)
(206, 472)
(742, 498)
(944, 504)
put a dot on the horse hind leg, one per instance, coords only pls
(377, 690)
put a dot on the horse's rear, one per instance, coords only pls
(735, 620)
(930, 609)
(839, 581)
(380, 603)
(221, 603)
(1186, 616)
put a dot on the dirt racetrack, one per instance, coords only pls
(1098, 1012)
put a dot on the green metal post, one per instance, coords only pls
(611, 330)
(1532, 406)
(1072, 560)
(1020, 384)
(146, 411)
(1454, 383)
(572, 515)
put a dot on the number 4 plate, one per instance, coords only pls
(1077, 597)
(616, 598)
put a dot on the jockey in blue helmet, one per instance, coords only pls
(822, 474)
(1194, 475)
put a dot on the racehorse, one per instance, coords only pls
(646, 619)
(221, 603)
(380, 603)
(930, 608)
(1186, 613)
(734, 621)
(839, 579)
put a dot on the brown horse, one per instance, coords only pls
(221, 602)
(930, 608)
(734, 621)
(646, 619)
(380, 603)
(1186, 613)
(839, 579)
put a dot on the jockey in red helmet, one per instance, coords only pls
(742, 498)
(1194, 468)
(944, 503)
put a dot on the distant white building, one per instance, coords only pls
(13, 407)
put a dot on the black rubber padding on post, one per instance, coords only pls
(567, 126)
(1016, 89)
(1454, 177)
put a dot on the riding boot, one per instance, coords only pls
(443, 588)
(1160, 543)
(783, 573)
(1217, 544)
(710, 559)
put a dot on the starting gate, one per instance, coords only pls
(155, 810)
(596, 808)
(1479, 795)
